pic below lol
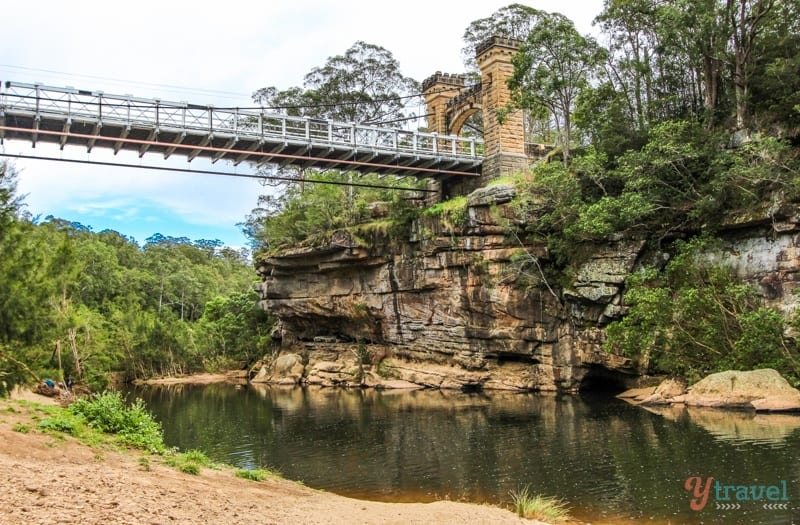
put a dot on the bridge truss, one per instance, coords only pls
(67, 116)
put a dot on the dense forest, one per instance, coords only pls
(676, 117)
(80, 304)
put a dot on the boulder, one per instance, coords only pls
(667, 392)
(262, 376)
(288, 369)
(637, 394)
(397, 384)
(763, 390)
(327, 366)
(492, 195)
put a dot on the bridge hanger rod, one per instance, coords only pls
(210, 172)
(214, 149)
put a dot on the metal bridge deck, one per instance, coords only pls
(67, 116)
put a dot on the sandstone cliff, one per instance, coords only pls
(465, 306)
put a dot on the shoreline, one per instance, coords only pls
(203, 378)
(60, 479)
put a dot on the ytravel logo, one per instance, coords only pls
(734, 497)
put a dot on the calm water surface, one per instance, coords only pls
(612, 462)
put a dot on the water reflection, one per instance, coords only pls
(607, 459)
(736, 426)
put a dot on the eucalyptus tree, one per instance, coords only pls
(514, 21)
(774, 88)
(364, 84)
(678, 59)
(554, 64)
(747, 19)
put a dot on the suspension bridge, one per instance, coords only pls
(94, 119)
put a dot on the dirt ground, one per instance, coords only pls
(48, 480)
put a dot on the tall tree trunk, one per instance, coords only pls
(746, 24)
(71, 333)
(58, 354)
(710, 81)
(567, 137)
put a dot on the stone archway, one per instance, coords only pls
(451, 100)
(460, 119)
(462, 107)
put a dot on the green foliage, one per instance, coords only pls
(309, 213)
(21, 428)
(603, 121)
(681, 178)
(452, 212)
(79, 304)
(538, 507)
(189, 462)
(513, 21)
(133, 424)
(696, 318)
(255, 474)
(553, 65)
(189, 468)
(363, 354)
(611, 214)
(233, 329)
(364, 84)
(64, 422)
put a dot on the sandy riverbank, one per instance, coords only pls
(47, 480)
(235, 377)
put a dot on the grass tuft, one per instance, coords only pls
(538, 507)
(21, 428)
(189, 462)
(255, 474)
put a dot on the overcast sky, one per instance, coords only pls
(204, 53)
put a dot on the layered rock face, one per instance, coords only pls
(469, 307)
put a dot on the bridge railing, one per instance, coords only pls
(100, 108)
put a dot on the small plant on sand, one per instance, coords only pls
(22, 429)
(255, 474)
(538, 507)
(190, 468)
(189, 462)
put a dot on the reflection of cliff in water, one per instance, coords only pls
(734, 425)
(605, 458)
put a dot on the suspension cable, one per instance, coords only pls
(211, 172)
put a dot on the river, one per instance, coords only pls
(610, 461)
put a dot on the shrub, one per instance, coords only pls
(133, 424)
(65, 422)
(696, 317)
